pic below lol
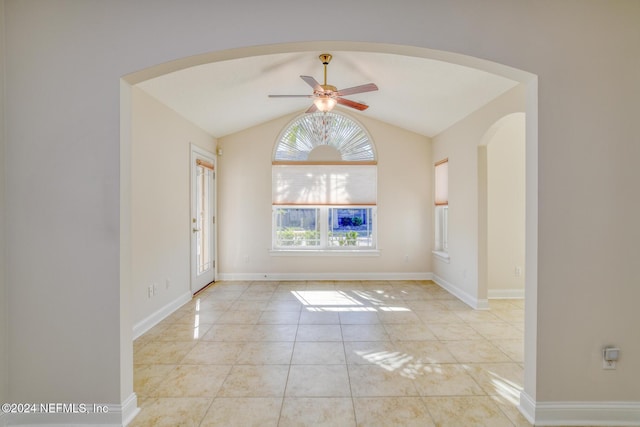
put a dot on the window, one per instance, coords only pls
(322, 227)
(441, 198)
(324, 186)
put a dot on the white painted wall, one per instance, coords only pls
(161, 217)
(459, 144)
(63, 64)
(404, 214)
(506, 207)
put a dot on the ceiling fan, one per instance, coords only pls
(326, 96)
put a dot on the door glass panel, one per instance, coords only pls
(203, 220)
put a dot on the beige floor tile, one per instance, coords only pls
(319, 318)
(274, 333)
(454, 331)
(255, 381)
(279, 318)
(147, 377)
(426, 352)
(318, 353)
(171, 412)
(445, 380)
(158, 352)
(399, 317)
(476, 351)
(364, 333)
(410, 332)
(513, 348)
(317, 412)
(184, 332)
(213, 353)
(319, 333)
(374, 380)
(201, 317)
(391, 411)
(318, 381)
(290, 353)
(193, 381)
(477, 411)
(509, 407)
(473, 316)
(248, 316)
(498, 379)
(229, 333)
(497, 330)
(384, 353)
(438, 316)
(359, 318)
(243, 412)
(266, 353)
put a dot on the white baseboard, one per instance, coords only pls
(323, 276)
(505, 294)
(154, 318)
(129, 409)
(580, 413)
(470, 300)
(114, 415)
(4, 419)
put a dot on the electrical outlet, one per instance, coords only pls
(610, 356)
(517, 271)
(406, 258)
(149, 291)
(167, 283)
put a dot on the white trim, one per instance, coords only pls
(154, 318)
(117, 415)
(470, 300)
(580, 413)
(129, 409)
(442, 256)
(324, 276)
(527, 406)
(326, 252)
(505, 294)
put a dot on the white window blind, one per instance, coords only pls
(324, 184)
(442, 183)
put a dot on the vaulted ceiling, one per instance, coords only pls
(425, 96)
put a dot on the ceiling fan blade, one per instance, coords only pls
(312, 109)
(290, 96)
(311, 82)
(352, 104)
(357, 89)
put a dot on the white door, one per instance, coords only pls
(202, 219)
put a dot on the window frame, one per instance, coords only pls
(323, 227)
(441, 210)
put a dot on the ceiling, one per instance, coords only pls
(421, 95)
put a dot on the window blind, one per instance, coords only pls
(442, 182)
(324, 184)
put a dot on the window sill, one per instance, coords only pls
(442, 256)
(311, 252)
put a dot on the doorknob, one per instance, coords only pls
(195, 230)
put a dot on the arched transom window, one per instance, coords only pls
(324, 180)
(324, 136)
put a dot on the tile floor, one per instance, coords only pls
(388, 353)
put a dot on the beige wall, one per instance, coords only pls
(506, 207)
(460, 144)
(62, 148)
(160, 202)
(404, 214)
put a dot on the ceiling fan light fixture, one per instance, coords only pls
(325, 103)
